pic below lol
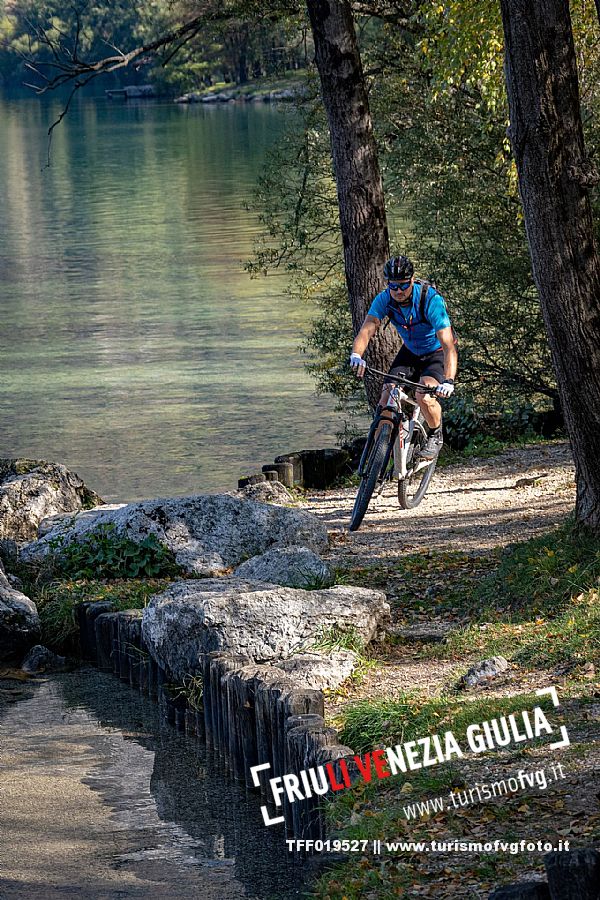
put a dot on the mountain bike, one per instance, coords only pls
(392, 450)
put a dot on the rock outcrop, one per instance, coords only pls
(19, 622)
(319, 671)
(295, 567)
(31, 490)
(40, 659)
(263, 621)
(483, 672)
(208, 534)
(266, 492)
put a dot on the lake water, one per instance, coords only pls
(101, 799)
(134, 348)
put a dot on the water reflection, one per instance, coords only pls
(129, 325)
(159, 821)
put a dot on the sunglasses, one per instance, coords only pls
(398, 286)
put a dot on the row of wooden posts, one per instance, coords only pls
(283, 472)
(249, 715)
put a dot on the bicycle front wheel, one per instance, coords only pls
(372, 471)
(413, 488)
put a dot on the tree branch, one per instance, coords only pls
(71, 68)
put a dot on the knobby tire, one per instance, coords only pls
(373, 468)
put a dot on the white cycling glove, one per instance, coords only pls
(445, 389)
(358, 363)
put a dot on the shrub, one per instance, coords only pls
(106, 553)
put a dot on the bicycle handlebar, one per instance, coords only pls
(425, 388)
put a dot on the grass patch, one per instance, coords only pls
(328, 640)
(56, 604)
(426, 582)
(334, 638)
(379, 811)
(537, 602)
(388, 722)
(539, 607)
(540, 575)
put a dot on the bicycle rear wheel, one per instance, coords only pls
(372, 471)
(413, 488)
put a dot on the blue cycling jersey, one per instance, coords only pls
(418, 334)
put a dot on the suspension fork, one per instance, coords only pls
(394, 417)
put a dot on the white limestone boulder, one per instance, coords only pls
(19, 622)
(31, 490)
(263, 621)
(290, 566)
(208, 534)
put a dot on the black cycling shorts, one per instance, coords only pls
(415, 367)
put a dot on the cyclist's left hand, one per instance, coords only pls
(445, 389)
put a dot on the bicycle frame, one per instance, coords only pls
(403, 426)
(405, 432)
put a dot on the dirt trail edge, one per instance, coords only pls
(472, 506)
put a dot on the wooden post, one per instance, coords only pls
(574, 875)
(297, 729)
(80, 620)
(274, 680)
(251, 479)
(277, 694)
(242, 712)
(306, 720)
(125, 619)
(208, 699)
(320, 756)
(152, 678)
(104, 639)
(234, 696)
(220, 669)
(296, 460)
(134, 641)
(285, 472)
(91, 611)
(116, 658)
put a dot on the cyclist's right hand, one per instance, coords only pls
(358, 364)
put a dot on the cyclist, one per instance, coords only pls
(428, 352)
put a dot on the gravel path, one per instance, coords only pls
(474, 506)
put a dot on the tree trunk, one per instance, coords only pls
(359, 187)
(554, 179)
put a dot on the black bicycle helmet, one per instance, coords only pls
(398, 267)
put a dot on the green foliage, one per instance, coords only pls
(237, 42)
(470, 426)
(540, 605)
(57, 600)
(545, 572)
(371, 723)
(461, 422)
(106, 553)
(336, 638)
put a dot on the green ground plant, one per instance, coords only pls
(535, 602)
(387, 722)
(108, 553)
(57, 600)
(330, 639)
